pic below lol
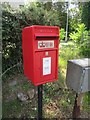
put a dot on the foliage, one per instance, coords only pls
(77, 35)
(81, 38)
(85, 14)
(62, 34)
(61, 7)
(55, 95)
(74, 19)
(57, 100)
(85, 46)
(10, 37)
(14, 21)
(68, 51)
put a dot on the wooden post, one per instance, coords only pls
(77, 105)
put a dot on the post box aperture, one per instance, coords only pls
(40, 53)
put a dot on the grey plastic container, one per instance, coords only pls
(78, 75)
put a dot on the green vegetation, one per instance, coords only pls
(82, 39)
(14, 21)
(11, 107)
(68, 51)
(85, 15)
(62, 34)
(38, 14)
(58, 99)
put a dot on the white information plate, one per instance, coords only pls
(46, 65)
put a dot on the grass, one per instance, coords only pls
(25, 87)
(67, 52)
(70, 51)
(58, 100)
(11, 109)
(86, 102)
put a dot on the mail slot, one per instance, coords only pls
(40, 53)
(78, 75)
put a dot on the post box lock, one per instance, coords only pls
(46, 53)
(40, 53)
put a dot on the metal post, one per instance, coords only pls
(40, 95)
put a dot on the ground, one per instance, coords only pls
(58, 100)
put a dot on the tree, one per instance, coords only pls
(85, 15)
(81, 39)
(14, 21)
(74, 17)
(60, 7)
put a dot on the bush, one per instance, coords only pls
(62, 34)
(12, 24)
(85, 46)
(68, 51)
(81, 39)
(11, 38)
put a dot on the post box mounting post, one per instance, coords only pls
(40, 96)
(77, 105)
(76, 108)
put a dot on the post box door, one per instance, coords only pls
(45, 66)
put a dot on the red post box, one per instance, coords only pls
(40, 53)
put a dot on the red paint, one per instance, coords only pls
(33, 56)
